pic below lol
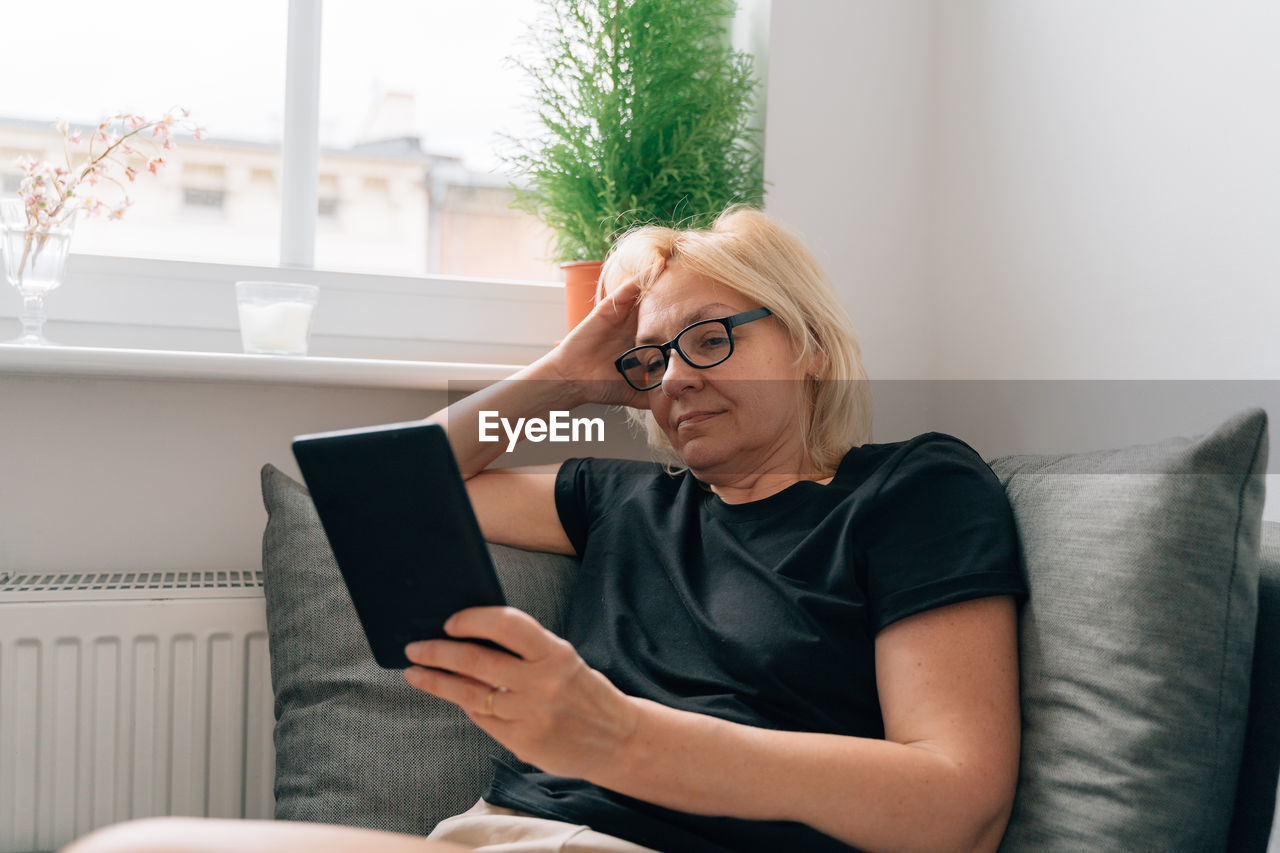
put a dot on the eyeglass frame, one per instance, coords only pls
(729, 324)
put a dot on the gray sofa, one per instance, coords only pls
(1150, 650)
(1255, 798)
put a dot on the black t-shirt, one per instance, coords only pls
(763, 613)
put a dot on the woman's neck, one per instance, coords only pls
(757, 487)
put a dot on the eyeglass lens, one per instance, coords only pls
(704, 344)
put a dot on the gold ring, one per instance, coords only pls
(488, 702)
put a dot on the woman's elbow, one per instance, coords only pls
(991, 829)
(971, 832)
(974, 822)
(988, 808)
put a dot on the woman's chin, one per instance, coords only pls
(704, 458)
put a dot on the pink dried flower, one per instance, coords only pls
(52, 195)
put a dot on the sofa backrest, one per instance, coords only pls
(1256, 786)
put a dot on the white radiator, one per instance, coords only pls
(131, 695)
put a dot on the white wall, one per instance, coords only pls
(1108, 189)
(1011, 189)
(848, 151)
(1040, 191)
(132, 474)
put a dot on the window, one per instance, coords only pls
(412, 98)
(378, 170)
(411, 117)
(130, 56)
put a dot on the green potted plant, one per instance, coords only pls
(644, 114)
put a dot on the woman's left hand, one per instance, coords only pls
(549, 708)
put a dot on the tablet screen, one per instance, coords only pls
(396, 512)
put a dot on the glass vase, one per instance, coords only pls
(34, 262)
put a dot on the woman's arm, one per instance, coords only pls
(532, 392)
(943, 778)
(516, 505)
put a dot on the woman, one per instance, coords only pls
(784, 638)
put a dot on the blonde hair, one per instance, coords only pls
(749, 252)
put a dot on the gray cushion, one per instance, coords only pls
(1136, 642)
(355, 744)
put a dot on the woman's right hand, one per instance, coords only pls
(585, 357)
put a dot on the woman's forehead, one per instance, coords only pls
(679, 298)
(661, 327)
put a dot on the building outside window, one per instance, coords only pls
(198, 198)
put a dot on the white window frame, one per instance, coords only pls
(142, 303)
(300, 146)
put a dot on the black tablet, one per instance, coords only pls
(396, 512)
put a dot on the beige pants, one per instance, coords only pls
(494, 829)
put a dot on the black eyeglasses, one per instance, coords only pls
(704, 344)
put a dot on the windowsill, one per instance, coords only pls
(237, 367)
(137, 317)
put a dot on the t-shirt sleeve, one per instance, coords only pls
(572, 502)
(588, 489)
(943, 532)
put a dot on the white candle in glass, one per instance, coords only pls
(278, 327)
(275, 318)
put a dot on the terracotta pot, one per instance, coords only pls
(580, 281)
